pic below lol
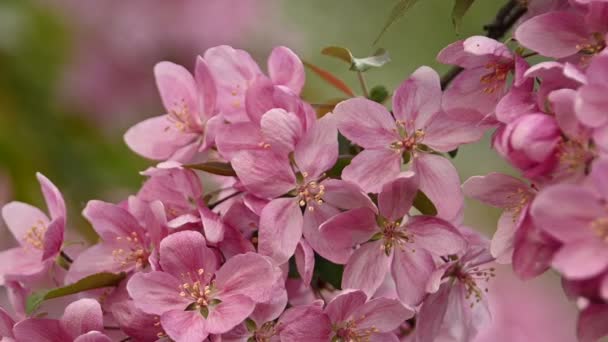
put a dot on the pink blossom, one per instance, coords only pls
(193, 295)
(354, 317)
(487, 63)
(191, 113)
(40, 238)
(416, 126)
(564, 33)
(392, 241)
(580, 223)
(82, 321)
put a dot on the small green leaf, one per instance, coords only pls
(378, 59)
(459, 10)
(424, 204)
(95, 281)
(400, 8)
(330, 78)
(216, 168)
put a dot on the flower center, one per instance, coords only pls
(265, 332)
(179, 115)
(594, 46)
(496, 77)
(395, 235)
(521, 199)
(470, 278)
(600, 227)
(407, 143)
(348, 332)
(194, 289)
(573, 157)
(133, 252)
(310, 193)
(35, 235)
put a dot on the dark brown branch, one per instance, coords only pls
(505, 18)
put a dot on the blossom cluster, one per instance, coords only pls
(551, 124)
(290, 193)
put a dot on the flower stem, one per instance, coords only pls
(363, 84)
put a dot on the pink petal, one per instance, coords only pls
(345, 195)
(156, 292)
(263, 96)
(383, 314)
(396, 197)
(555, 34)
(504, 237)
(418, 98)
(305, 323)
(317, 151)
(323, 246)
(518, 101)
(53, 238)
(20, 261)
(599, 170)
(20, 218)
(95, 259)
(446, 131)
(496, 189)
(305, 261)
(533, 250)
(473, 52)
(431, 315)
(157, 138)
(93, 336)
(342, 307)
(236, 137)
(371, 169)
(6, 324)
(467, 91)
(177, 90)
(134, 322)
(582, 259)
(187, 252)
(40, 330)
(590, 105)
(231, 311)
(207, 91)
(366, 268)
(411, 271)
(562, 102)
(249, 274)
(366, 123)
(212, 225)
(593, 323)
(280, 229)
(52, 196)
(440, 182)
(111, 221)
(271, 310)
(281, 130)
(578, 207)
(352, 227)
(286, 68)
(435, 235)
(264, 173)
(82, 316)
(232, 69)
(184, 326)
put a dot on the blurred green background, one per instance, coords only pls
(74, 75)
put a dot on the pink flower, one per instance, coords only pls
(191, 113)
(234, 71)
(516, 240)
(40, 238)
(82, 321)
(355, 318)
(125, 245)
(530, 143)
(193, 295)
(457, 309)
(577, 216)
(591, 102)
(487, 64)
(392, 239)
(416, 126)
(564, 33)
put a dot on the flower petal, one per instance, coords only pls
(418, 98)
(411, 271)
(281, 130)
(305, 261)
(82, 316)
(582, 259)
(186, 252)
(52, 196)
(40, 330)
(496, 189)
(349, 228)
(156, 292)
(233, 310)
(249, 274)
(53, 238)
(95, 259)
(184, 326)
(157, 138)
(383, 314)
(366, 123)
(371, 169)
(305, 323)
(111, 221)
(366, 268)
(207, 91)
(236, 137)
(436, 235)
(317, 151)
(93, 336)
(342, 307)
(286, 68)
(593, 323)
(264, 173)
(21, 218)
(280, 229)
(397, 197)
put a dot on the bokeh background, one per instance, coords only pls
(75, 74)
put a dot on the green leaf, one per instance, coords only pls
(330, 78)
(216, 168)
(95, 281)
(459, 10)
(424, 204)
(378, 59)
(400, 8)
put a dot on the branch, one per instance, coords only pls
(505, 18)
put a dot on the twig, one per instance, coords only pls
(66, 257)
(505, 18)
(218, 202)
(363, 84)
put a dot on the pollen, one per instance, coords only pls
(179, 115)
(395, 235)
(349, 332)
(193, 288)
(310, 193)
(595, 45)
(35, 235)
(520, 198)
(600, 227)
(408, 143)
(132, 252)
(496, 77)
(471, 278)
